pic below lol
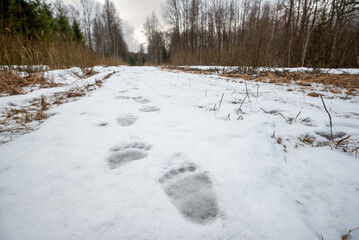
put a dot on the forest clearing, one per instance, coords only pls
(179, 119)
(149, 152)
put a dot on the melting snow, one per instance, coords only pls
(112, 166)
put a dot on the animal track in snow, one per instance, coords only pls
(126, 153)
(191, 191)
(327, 135)
(149, 109)
(141, 99)
(122, 97)
(126, 120)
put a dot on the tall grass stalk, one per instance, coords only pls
(56, 52)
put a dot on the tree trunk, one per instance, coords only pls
(304, 54)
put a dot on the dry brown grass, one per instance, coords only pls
(305, 79)
(88, 72)
(56, 53)
(346, 236)
(347, 144)
(18, 120)
(12, 83)
(313, 94)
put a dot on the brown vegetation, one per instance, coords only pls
(88, 72)
(305, 79)
(55, 53)
(17, 120)
(12, 83)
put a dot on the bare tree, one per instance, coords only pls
(273, 33)
(87, 11)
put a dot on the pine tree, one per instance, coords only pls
(78, 36)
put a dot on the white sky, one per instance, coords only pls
(134, 14)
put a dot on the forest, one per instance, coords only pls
(36, 32)
(283, 33)
(280, 33)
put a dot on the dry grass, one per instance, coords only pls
(305, 79)
(346, 236)
(22, 120)
(12, 83)
(313, 94)
(347, 144)
(56, 53)
(309, 140)
(88, 72)
(36, 111)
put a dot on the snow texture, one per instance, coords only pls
(66, 76)
(25, 67)
(189, 171)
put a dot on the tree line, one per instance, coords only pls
(282, 33)
(36, 32)
(102, 27)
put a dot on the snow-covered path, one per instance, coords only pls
(142, 158)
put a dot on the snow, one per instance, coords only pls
(25, 67)
(144, 158)
(68, 78)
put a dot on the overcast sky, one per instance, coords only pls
(133, 14)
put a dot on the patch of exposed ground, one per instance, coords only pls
(12, 83)
(88, 72)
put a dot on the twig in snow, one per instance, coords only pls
(330, 118)
(220, 103)
(214, 108)
(257, 89)
(305, 119)
(240, 107)
(247, 92)
(264, 110)
(350, 231)
(273, 135)
(240, 117)
(340, 141)
(348, 145)
(229, 116)
(282, 116)
(297, 115)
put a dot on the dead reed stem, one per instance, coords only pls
(330, 118)
(220, 103)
